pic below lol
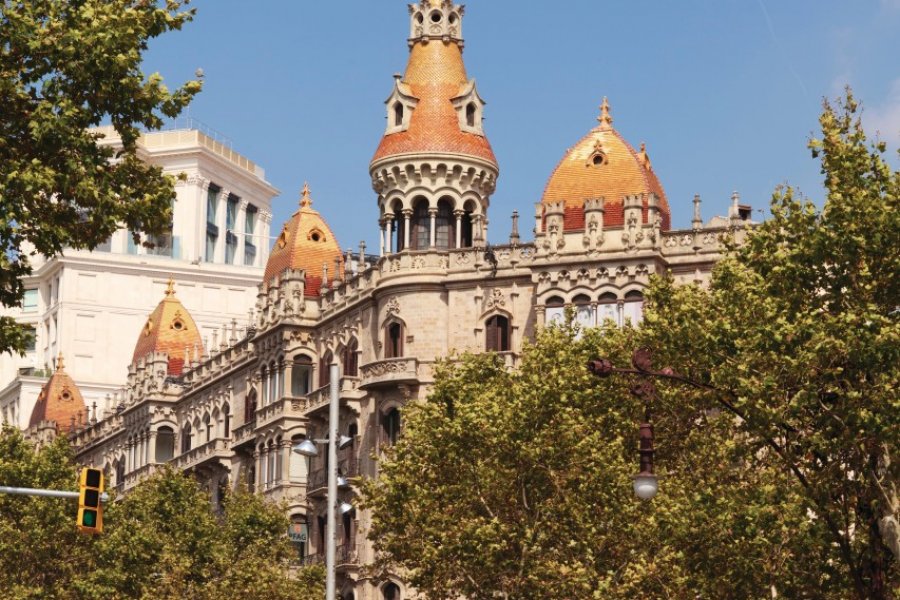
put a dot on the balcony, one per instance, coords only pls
(211, 452)
(244, 433)
(345, 555)
(318, 478)
(285, 407)
(388, 372)
(138, 475)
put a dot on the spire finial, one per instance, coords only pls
(170, 288)
(605, 118)
(305, 199)
(60, 364)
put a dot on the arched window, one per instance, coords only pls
(471, 111)
(421, 223)
(399, 230)
(584, 312)
(398, 114)
(207, 425)
(165, 444)
(120, 471)
(555, 311)
(445, 226)
(608, 309)
(633, 308)
(270, 464)
(350, 360)
(274, 383)
(466, 227)
(301, 376)
(226, 421)
(390, 422)
(325, 369)
(391, 591)
(250, 406)
(279, 460)
(393, 340)
(264, 385)
(186, 435)
(497, 334)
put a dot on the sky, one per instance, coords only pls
(725, 93)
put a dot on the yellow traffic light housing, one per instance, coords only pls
(90, 508)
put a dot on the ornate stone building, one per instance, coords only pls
(230, 412)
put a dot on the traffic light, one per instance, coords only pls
(90, 510)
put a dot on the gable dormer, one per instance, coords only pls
(400, 106)
(470, 109)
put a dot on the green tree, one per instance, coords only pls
(800, 333)
(67, 66)
(518, 485)
(162, 540)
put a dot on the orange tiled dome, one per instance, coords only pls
(435, 75)
(170, 328)
(603, 164)
(60, 400)
(306, 243)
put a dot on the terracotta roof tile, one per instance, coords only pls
(60, 400)
(170, 328)
(622, 172)
(306, 243)
(435, 75)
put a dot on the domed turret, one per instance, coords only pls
(306, 243)
(434, 169)
(603, 165)
(170, 329)
(60, 401)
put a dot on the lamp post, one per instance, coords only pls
(308, 448)
(646, 483)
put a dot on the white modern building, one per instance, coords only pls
(90, 306)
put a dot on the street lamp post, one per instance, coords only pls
(308, 448)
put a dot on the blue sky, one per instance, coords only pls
(724, 92)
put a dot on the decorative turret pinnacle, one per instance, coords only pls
(305, 199)
(170, 288)
(436, 20)
(60, 363)
(605, 118)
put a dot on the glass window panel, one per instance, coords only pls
(30, 301)
(607, 312)
(633, 311)
(555, 314)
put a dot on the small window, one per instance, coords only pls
(393, 343)
(471, 111)
(325, 369)
(497, 334)
(555, 311)
(391, 426)
(301, 376)
(30, 302)
(436, 17)
(350, 361)
(30, 339)
(598, 159)
(633, 308)
(250, 406)
(391, 591)
(398, 114)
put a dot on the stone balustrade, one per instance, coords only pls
(389, 371)
(219, 448)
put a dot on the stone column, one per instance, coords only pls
(389, 238)
(152, 453)
(255, 484)
(459, 215)
(432, 214)
(407, 217)
(381, 238)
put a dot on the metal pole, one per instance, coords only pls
(330, 548)
(104, 497)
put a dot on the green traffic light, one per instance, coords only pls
(89, 518)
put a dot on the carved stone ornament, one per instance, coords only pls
(393, 306)
(709, 239)
(386, 367)
(496, 300)
(671, 242)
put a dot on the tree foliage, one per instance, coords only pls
(800, 332)
(518, 485)
(777, 471)
(67, 66)
(162, 540)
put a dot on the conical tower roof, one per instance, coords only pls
(604, 165)
(60, 400)
(170, 328)
(306, 243)
(435, 76)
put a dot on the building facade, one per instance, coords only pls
(90, 306)
(230, 409)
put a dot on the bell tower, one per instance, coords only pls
(434, 170)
